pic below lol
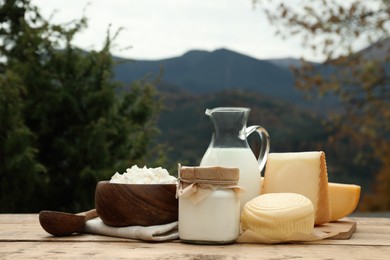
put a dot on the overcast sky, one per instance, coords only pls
(157, 29)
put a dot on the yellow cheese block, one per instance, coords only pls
(277, 216)
(304, 173)
(344, 199)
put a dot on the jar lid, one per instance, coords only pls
(209, 174)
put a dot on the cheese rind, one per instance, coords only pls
(304, 173)
(277, 216)
(344, 199)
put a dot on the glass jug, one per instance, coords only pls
(229, 148)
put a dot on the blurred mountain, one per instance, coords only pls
(286, 63)
(202, 72)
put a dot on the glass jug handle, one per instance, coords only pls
(264, 143)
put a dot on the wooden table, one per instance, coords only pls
(21, 237)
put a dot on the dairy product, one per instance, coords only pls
(135, 175)
(242, 158)
(344, 199)
(215, 219)
(277, 216)
(304, 173)
(209, 206)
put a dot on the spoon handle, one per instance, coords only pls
(90, 214)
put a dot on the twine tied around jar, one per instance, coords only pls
(197, 183)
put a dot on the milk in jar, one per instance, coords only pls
(209, 204)
(245, 161)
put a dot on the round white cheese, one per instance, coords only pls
(278, 215)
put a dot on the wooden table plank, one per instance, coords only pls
(22, 237)
(118, 250)
(20, 227)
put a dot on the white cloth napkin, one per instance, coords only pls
(151, 233)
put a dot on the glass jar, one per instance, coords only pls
(209, 205)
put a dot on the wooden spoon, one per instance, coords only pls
(62, 223)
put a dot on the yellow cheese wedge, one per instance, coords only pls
(304, 173)
(344, 199)
(277, 216)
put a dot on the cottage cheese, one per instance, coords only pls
(135, 175)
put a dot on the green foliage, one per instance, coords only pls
(19, 169)
(70, 122)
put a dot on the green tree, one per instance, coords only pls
(80, 126)
(17, 155)
(360, 79)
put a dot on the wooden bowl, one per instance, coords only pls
(120, 205)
